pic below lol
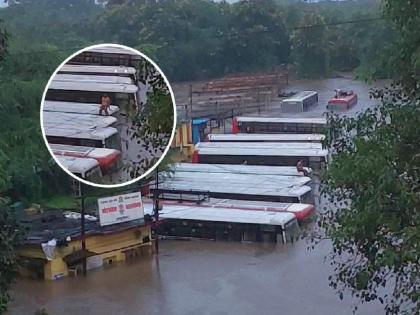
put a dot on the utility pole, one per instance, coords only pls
(156, 197)
(82, 228)
(190, 95)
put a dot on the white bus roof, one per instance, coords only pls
(298, 97)
(265, 189)
(261, 205)
(221, 214)
(260, 145)
(77, 165)
(97, 69)
(80, 133)
(92, 78)
(113, 50)
(265, 137)
(264, 152)
(62, 120)
(77, 108)
(93, 87)
(290, 120)
(60, 149)
(239, 180)
(236, 169)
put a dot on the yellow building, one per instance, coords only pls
(182, 143)
(104, 246)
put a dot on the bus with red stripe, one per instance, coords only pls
(108, 159)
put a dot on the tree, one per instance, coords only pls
(9, 238)
(372, 188)
(310, 46)
(256, 37)
(152, 125)
(405, 15)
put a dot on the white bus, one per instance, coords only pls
(268, 137)
(76, 108)
(238, 180)
(80, 136)
(225, 223)
(82, 167)
(313, 158)
(92, 78)
(265, 191)
(300, 102)
(278, 125)
(236, 169)
(107, 56)
(75, 120)
(108, 159)
(120, 71)
(260, 145)
(91, 92)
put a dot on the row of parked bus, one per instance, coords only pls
(86, 143)
(245, 185)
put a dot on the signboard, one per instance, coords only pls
(121, 208)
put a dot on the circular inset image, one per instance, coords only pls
(108, 115)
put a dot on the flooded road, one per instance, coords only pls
(205, 277)
(198, 277)
(325, 89)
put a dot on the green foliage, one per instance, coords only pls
(310, 47)
(405, 15)
(373, 186)
(27, 169)
(9, 236)
(153, 124)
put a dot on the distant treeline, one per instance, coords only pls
(198, 39)
(189, 39)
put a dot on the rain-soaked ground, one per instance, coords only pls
(206, 277)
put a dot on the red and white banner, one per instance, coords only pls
(121, 208)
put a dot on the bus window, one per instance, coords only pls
(90, 143)
(94, 174)
(291, 231)
(113, 142)
(308, 198)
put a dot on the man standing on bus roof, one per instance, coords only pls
(105, 104)
(300, 169)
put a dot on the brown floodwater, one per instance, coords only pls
(198, 277)
(206, 277)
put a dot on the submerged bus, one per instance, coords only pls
(76, 108)
(278, 125)
(261, 137)
(107, 56)
(92, 78)
(300, 102)
(303, 212)
(80, 136)
(172, 189)
(260, 145)
(225, 223)
(91, 92)
(108, 159)
(238, 180)
(82, 167)
(236, 169)
(75, 120)
(120, 71)
(313, 158)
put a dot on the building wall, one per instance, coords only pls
(110, 248)
(182, 142)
